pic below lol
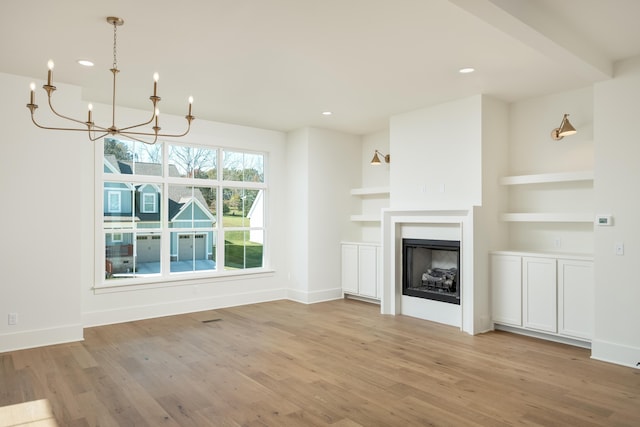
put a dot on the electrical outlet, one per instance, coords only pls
(619, 248)
(13, 319)
(557, 243)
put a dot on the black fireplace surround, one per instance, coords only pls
(431, 269)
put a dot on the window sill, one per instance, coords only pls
(158, 282)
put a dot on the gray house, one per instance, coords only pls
(133, 220)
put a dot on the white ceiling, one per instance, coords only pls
(278, 64)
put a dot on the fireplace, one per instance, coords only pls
(431, 269)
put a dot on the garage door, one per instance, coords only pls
(192, 247)
(147, 249)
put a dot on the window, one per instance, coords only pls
(114, 204)
(161, 212)
(149, 202)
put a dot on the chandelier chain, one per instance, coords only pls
(115, 59)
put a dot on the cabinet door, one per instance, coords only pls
(506, 289)
(368, 271)
(539, 288)
(350, 269)
(575, 298)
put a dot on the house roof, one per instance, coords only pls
(179, 195)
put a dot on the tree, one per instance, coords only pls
(118, 149)
(192, 162)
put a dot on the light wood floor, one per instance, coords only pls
(338, 363)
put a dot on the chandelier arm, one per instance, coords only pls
(95, 138)
(53, 110)
(141, 124)
(164, 135)
(135, 138)
(33, 119)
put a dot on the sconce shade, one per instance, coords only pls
(376, 159)
(565, 129)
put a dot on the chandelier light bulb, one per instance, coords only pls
(156, 77)
(32, 86)
(191, 100)
(90, 107)
(50, 64)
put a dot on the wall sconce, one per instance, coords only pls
(565, 129)
(376, 158)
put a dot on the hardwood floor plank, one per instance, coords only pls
(338, 363)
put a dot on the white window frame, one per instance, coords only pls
(166, 277)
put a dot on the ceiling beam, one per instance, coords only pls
(545, 33)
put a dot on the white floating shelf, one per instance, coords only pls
(547, 178)
(547, 217)
(366, 218)
(368, 191)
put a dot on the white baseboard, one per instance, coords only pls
(40, 337)
(616, 353)
(313, 297)
(127, 314)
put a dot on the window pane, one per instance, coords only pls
(147, 205)
(242, 207)
(240, 252)
(193, 251)
(147, 252)
(192, 207)
(131, 205)
(118, 255)
(192, 162)
(243, 167)
(118, 202)
(132, 157)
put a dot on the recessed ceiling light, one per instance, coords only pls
(466, 70)
(85, 62)
(327, 113)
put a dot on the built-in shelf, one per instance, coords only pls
(370, 191)
(547, 178)
(548, 217)
(365, 218)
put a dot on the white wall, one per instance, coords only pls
(333, 170)
(297, 202)
(437, 156)
(47, 261)
(617, 174)
(373, 176)
(532, 151)
(40, 257)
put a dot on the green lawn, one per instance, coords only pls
(239, 253)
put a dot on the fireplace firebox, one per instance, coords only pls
(431, 269)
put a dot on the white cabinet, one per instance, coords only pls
(506, 289)
(539, 293)
(350, 268)
(575, 298)
(545, 293)
(361, 270)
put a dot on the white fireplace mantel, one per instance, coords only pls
(396, 223)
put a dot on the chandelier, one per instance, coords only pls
(95, 131)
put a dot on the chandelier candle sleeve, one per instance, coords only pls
(49, 74)
(156, 77)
